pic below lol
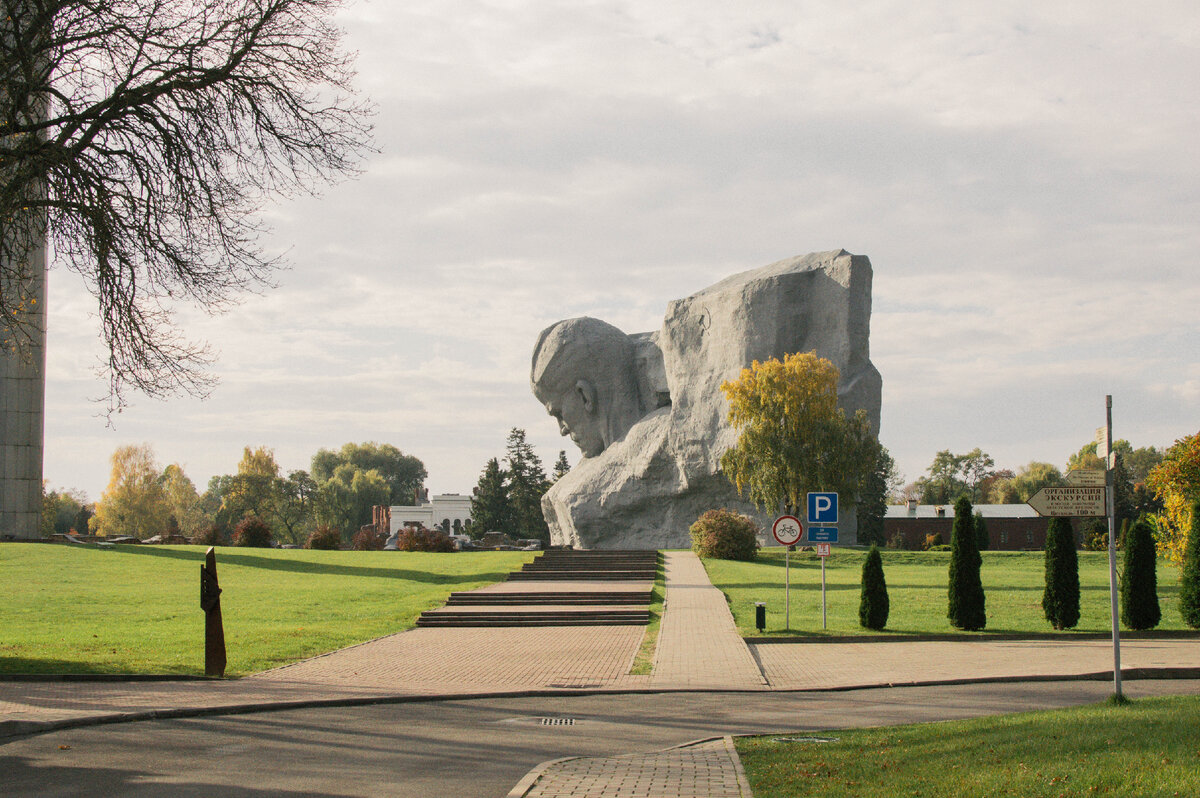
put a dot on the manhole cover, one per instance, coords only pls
(558, 721)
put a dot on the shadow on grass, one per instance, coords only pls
(226, 556)
(48, 667)
(831, 586)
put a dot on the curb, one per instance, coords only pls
(107, 677)
(530, 779)
(973, 637)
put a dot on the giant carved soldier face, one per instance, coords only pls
(583, 374)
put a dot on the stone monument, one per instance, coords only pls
(647, 412)
(22, 402)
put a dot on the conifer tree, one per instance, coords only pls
(873, 604)
(1139, 585)
(561, 466)
(967, 610)
(1189, 589)
(527, 483)
(1060, 600)
(981, 533)
(489, 502)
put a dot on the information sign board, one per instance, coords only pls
(1070, 502)
(822, 534)
(1085, 478)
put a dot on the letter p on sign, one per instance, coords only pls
(822, 508)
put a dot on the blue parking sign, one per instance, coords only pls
(822, 508)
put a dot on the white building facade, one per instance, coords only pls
(450, 512)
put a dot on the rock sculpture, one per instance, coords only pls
(647, 412)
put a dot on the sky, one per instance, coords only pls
(1024, 177)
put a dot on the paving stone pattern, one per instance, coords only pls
(708, 769)
(698, 643)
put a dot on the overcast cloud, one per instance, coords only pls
(1025, 179)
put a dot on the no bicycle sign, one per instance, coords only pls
(787, 529)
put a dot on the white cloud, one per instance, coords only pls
(1023, 179)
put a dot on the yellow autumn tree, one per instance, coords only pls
(793, 436)
(1176, 482)
(252, 490)
(181, 496)
(134, 503)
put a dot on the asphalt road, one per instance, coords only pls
(470, 748)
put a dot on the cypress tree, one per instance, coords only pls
(1189, 589)
(873, 605)
(967, 610)
(1060, 601)
(1139, 585)
(981, 532)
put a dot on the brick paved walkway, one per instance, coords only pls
(706, 769)
(698, 643)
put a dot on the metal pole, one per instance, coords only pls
(1112, 549)
(787, 601)
(822, 592)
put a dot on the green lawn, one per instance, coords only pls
(136, 609)
(1150, 747)
(917, 584)
(643, 660)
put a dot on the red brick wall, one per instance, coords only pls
(1004, 534)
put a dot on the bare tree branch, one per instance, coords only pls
(140, 137)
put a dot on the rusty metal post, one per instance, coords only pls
(210, 602)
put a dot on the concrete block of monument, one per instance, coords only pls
(647, 412)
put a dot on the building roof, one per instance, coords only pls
(930, 511)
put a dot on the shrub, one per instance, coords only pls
(1096, 537)
(725, 535)
(1139, 582)
(252, 531)
(1060, 599)
(421, 539)
(940, 547)
(1189, 588)
(873, 602)
(211, 536)
(897, 541)
(933, 539)
(324, 537)
(981, 533)
(967, 610)
(367, 539)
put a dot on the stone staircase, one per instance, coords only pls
(566, 565)
(559, 588)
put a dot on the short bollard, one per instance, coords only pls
(760, 615)
(210, 602)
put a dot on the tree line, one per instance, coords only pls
(1154, 485)
(143, 499)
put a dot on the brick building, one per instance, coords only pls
(1011, 527)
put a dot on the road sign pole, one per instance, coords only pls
(1112, 551)
(787, 529)
(822, 593)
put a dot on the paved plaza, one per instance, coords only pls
(699, 649)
